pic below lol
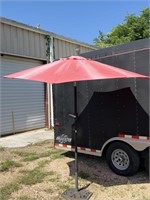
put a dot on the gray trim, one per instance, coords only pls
(22, 56)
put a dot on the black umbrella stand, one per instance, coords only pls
(76, 193)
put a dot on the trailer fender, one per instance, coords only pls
(139, 143)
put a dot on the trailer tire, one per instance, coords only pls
(146, 162)
(122, 159)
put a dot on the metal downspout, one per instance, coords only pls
(49, 87)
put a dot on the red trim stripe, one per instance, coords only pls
(121, 135)
(134, 136)
(73, 147)
(93, 150)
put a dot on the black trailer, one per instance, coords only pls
(113, 115)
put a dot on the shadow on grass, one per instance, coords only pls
(95, 169)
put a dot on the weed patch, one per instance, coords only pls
(31, 156)
(8, 164)
(49, 191)
(46, 177)
(54, 178)
(45, 154)
(6, 191)
(56, 153)
(2, 149)
(27, 156)
(32, 177)
(42, 163)
(25, 198)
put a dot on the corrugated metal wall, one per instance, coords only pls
(64, 48)
(19, 41)
(31, 42)
(22, 105)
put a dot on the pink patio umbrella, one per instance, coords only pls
(74, 69)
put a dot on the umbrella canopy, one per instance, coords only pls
(72, 69)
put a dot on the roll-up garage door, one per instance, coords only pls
(21, 102)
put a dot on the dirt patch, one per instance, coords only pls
(52, 172)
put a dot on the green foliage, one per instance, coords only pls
(133, 28)
(48, 40)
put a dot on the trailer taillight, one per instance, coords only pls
(57, 124)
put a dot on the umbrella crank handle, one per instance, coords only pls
(73, 116)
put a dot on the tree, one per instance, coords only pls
(133, 28)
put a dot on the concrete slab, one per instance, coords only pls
(26, 138)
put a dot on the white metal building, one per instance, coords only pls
(25, 105)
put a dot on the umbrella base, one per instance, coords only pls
(73, 194)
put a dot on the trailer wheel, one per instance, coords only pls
(122, 159)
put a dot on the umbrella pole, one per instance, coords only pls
(75, 137)
(76, 193)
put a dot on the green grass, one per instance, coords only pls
(8, 164)
(25, 198)
(67, 184)
(2, 149)
(27, 156)
(42, 163)
(54, 178)
(49, 142)
(6, 191)
(45, 154)
(63, 186)
(29, 177)
(31, 156)
(50, 191)
(53, 153)
(56, 153)
(32, 177)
